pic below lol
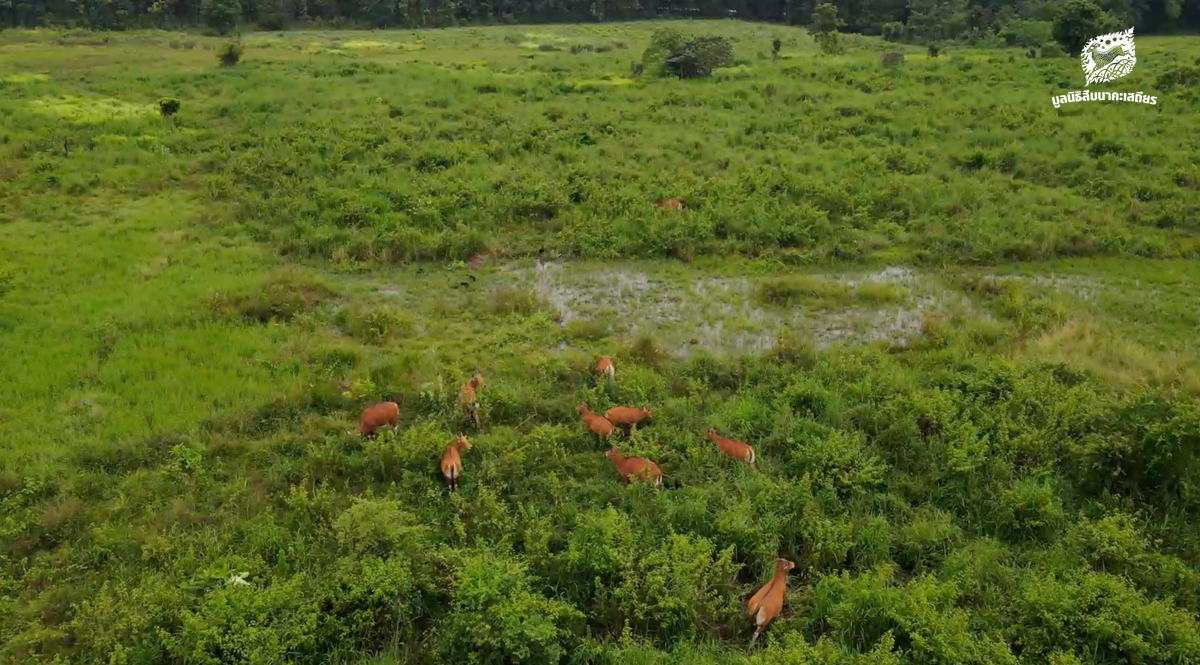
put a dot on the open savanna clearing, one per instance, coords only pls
(957, 324)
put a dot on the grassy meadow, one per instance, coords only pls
(958, 325)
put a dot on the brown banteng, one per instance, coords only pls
(469, 399)
(626, 417)
(451, 463)
(768, 601)
(730, 448)
(669, 204)
(604, 367)
(376, 416)
(635, 467)
(599, 425)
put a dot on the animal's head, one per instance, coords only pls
(612, 453)
(462, 442)
(784, 564)
(581, 407)
(477, 380)
(646, 413)
(710, 434)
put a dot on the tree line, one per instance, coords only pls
(907, 20)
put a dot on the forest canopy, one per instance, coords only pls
(912, 20)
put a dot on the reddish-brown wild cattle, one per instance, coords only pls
(376, 416)
(451, 463)
(766, 604)
(468, 397)
(604, 367)
(669, 204)
(599, 425)
(635, 467)
(730, 448)
(626, 417)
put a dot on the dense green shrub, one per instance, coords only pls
(248, 624)
(376, 324)
(168, 106)
(893, 31)
(1052, 50)
(230, 54)
(497, 616)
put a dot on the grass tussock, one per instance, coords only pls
(280, 297)
(375, 324)
(517, 300)
(817, 291)
(1084, 345)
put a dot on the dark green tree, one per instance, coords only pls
(933, 20)
(1077, 22)
(824, 28)
(221, 15)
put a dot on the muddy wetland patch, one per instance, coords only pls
(686, 310)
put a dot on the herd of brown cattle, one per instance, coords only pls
(764, 605)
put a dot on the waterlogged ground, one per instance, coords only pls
(724, 314)
(726, 309)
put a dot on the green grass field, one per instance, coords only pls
(958, 324)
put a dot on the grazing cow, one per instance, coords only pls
(626, 417)
(374, 417)
(635, 467)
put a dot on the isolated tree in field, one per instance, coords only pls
(824, 28)
(1077, 22)
(221, 15)
(669, 54)
(230, 54)
(168, 106)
